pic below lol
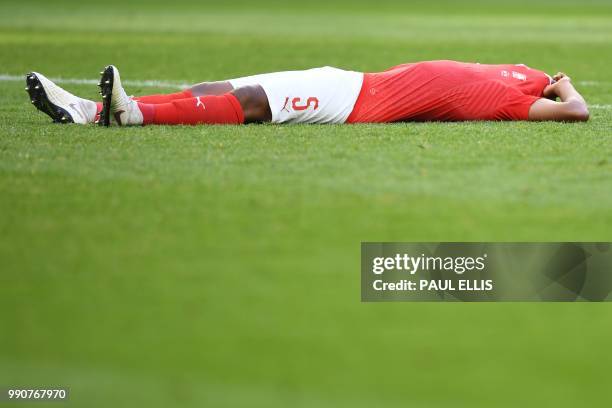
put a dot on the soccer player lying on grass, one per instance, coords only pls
(423, 91)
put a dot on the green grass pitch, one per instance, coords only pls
(219, 266)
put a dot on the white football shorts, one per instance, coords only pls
(319, 95)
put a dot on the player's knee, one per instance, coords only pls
(210, 88)
(254, 103)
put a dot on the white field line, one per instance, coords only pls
(82, 81)
(177, 85)
(592, 83)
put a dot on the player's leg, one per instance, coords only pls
(59, 104)
(243, 105)
(164, 98)
(210, 88)
(254, 103)
(320, 95)
(240, 106)
(201, 89)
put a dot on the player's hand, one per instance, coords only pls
(550, 91)
(560, 75)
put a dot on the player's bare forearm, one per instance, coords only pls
(571, 108)
(569, 95)
(564, 89)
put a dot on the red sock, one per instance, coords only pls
(98, 110)
(155, 99)
(211, 109)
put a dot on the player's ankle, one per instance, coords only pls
(148, 112)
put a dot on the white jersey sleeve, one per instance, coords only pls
(319, 95)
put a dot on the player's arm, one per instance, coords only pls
(572, 108)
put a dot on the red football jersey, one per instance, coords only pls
(448, 91)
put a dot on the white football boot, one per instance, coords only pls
(59, 104)
(116, 101)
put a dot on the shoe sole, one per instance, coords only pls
(106, 90)
(41, 101)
